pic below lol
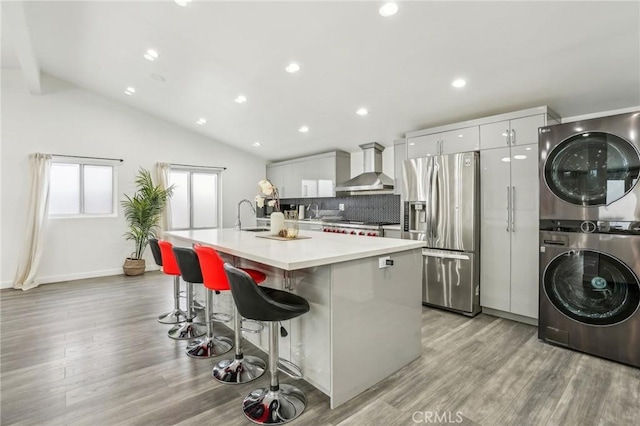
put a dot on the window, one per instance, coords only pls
(196, 199)
(77, 189)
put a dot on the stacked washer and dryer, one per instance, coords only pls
(590, 236)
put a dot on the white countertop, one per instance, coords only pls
(321, 249)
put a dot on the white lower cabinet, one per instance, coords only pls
(509, 230)
(307, 340)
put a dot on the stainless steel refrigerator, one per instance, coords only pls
(441, 206)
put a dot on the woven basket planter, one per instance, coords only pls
(133, 267)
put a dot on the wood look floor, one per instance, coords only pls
(91, 352)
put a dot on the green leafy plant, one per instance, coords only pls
(144, 210)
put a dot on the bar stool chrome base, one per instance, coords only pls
(187, 330)
(239, 370)
(208, 347)
(264, 406)
(174, 317)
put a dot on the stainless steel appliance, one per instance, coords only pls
(368, 229)
(441, 207)
(589, 169)
(372, 180)
(589, 287)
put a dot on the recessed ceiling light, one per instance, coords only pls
(303, 129)
(151, 55)
(157, 77)
(459, 83)
(256, 143)
(182, 3)
(241, 99)
(388, 9)
(362, 111)
(292, 67)
(201, 121)
(129, 91)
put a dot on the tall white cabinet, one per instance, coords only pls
(510, 213)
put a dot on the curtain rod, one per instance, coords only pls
(199, 167)
(89, 158)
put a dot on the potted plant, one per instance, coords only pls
(143, 212)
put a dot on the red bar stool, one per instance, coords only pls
(209, 345)
(187, 329)
(176, 315)
(243, 368)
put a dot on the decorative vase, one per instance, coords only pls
(277, 223)
(291, 229)
(133, 267)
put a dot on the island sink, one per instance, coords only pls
(255, 229)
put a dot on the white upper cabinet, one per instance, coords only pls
(518, 131)
(399, 155)
(460, 140)
(423, 146)
(450, 142)
(310, 177)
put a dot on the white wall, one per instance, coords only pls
(69, 120)
(598, 114)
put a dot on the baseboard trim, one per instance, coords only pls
(78, 276)
(510, 316)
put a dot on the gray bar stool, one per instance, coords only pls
(279, 403)
(209, 345)
(176, 315)
(242, 368)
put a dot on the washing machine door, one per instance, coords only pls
(592, 169)
(592, 287)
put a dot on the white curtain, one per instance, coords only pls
(162, 175)
(40, 169)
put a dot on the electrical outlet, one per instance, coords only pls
(341, 207)
(382, 262)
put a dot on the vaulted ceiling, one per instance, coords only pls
(576, 57)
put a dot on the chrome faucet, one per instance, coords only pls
(316, 214)
(253, 209)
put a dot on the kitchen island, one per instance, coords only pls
(365, 295)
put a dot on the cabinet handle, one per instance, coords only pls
(513, 137)
(508, 208)
(507, 136)
(513, 209)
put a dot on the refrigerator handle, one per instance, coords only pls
(434, 202)
(513, 209)
(508, 208)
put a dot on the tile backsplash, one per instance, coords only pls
(366, 208)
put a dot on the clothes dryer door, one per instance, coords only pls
(592, 169)
(592, 287)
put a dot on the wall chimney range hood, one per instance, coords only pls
(372, 181)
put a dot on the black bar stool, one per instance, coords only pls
(242, 368)
(187, 329)
(279, 403)
(176, 315)
(209, 345)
